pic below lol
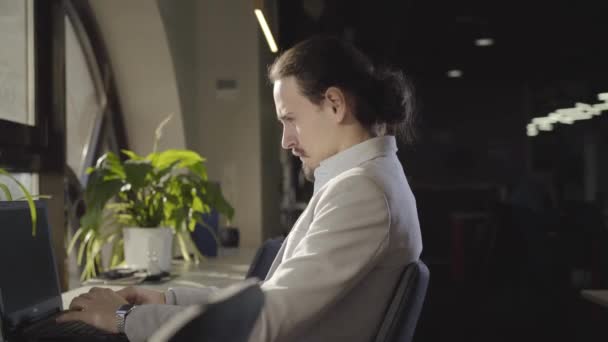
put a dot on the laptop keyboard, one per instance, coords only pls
(50, 329)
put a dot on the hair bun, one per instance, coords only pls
(394, 100)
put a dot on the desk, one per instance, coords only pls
(599, 297)
(228, 268)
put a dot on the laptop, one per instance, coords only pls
(30, 295)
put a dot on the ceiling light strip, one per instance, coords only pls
(581, 111)
(264, 25)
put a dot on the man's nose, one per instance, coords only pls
(288, 140)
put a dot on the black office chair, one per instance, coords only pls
(404, 309)
(231, 318)
(264, 257)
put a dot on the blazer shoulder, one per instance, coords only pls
(354, 182)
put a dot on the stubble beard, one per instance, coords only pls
(309, 173)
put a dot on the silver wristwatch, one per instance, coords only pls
(121, 316)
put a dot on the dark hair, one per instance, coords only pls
(381, 95)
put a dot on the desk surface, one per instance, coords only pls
(599, 297)
(230, 267)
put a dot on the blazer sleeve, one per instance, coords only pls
(346, 238)
(144, 320)
(188, 295)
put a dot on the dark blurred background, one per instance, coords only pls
(514, 226)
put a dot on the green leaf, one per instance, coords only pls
(136, 172)
(182, 246)
(100, 191)
(197, 205)
(91, 220)
(117, 253)
(34, 197)
(28, 196)
(7, 192)
(132, 155)
(185, 157)
(192, 225)
(199, 170)
(215, 199)
(84, 246)
(112, 164)
(74, 240)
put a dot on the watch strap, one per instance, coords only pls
(121, 316)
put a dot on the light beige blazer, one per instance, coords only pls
(333, 276)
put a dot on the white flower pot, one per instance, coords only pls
(144, 245)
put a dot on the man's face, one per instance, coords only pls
(307, 128)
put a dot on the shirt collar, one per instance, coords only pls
(352, 157)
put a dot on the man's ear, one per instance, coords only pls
(336, 101)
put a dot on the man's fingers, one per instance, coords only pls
(71, 316)
(79, 303)
(94, 290)
(129, 294)
(126, 292)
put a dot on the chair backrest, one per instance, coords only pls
(264, 257)
(229, 318)
(404, 309)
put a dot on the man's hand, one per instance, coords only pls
(97, 308)
(139, 296)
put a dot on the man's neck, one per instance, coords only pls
(353, 138)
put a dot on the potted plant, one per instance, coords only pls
(27, 196)
(138, 204)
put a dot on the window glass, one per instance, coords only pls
(16, 61)
(82, 103)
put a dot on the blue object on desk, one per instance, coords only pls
(264, 258)
(202, 238)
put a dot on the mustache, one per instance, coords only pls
(299, 152)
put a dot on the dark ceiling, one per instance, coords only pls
(546, 55)
(533, 39)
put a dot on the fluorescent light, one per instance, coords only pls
(532, 132)
(455, 73)
(266, 30)
(581, 111)
(484, 42)
(545, 126)
(566, 111)
(588, 109)
(599, 107)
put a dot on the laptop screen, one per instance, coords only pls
(28, 278)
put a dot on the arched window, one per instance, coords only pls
(93, 120)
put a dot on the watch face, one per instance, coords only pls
(124, 309)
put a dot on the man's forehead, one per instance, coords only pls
(285, 94)
(285, 87)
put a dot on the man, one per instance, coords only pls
(334, 275)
